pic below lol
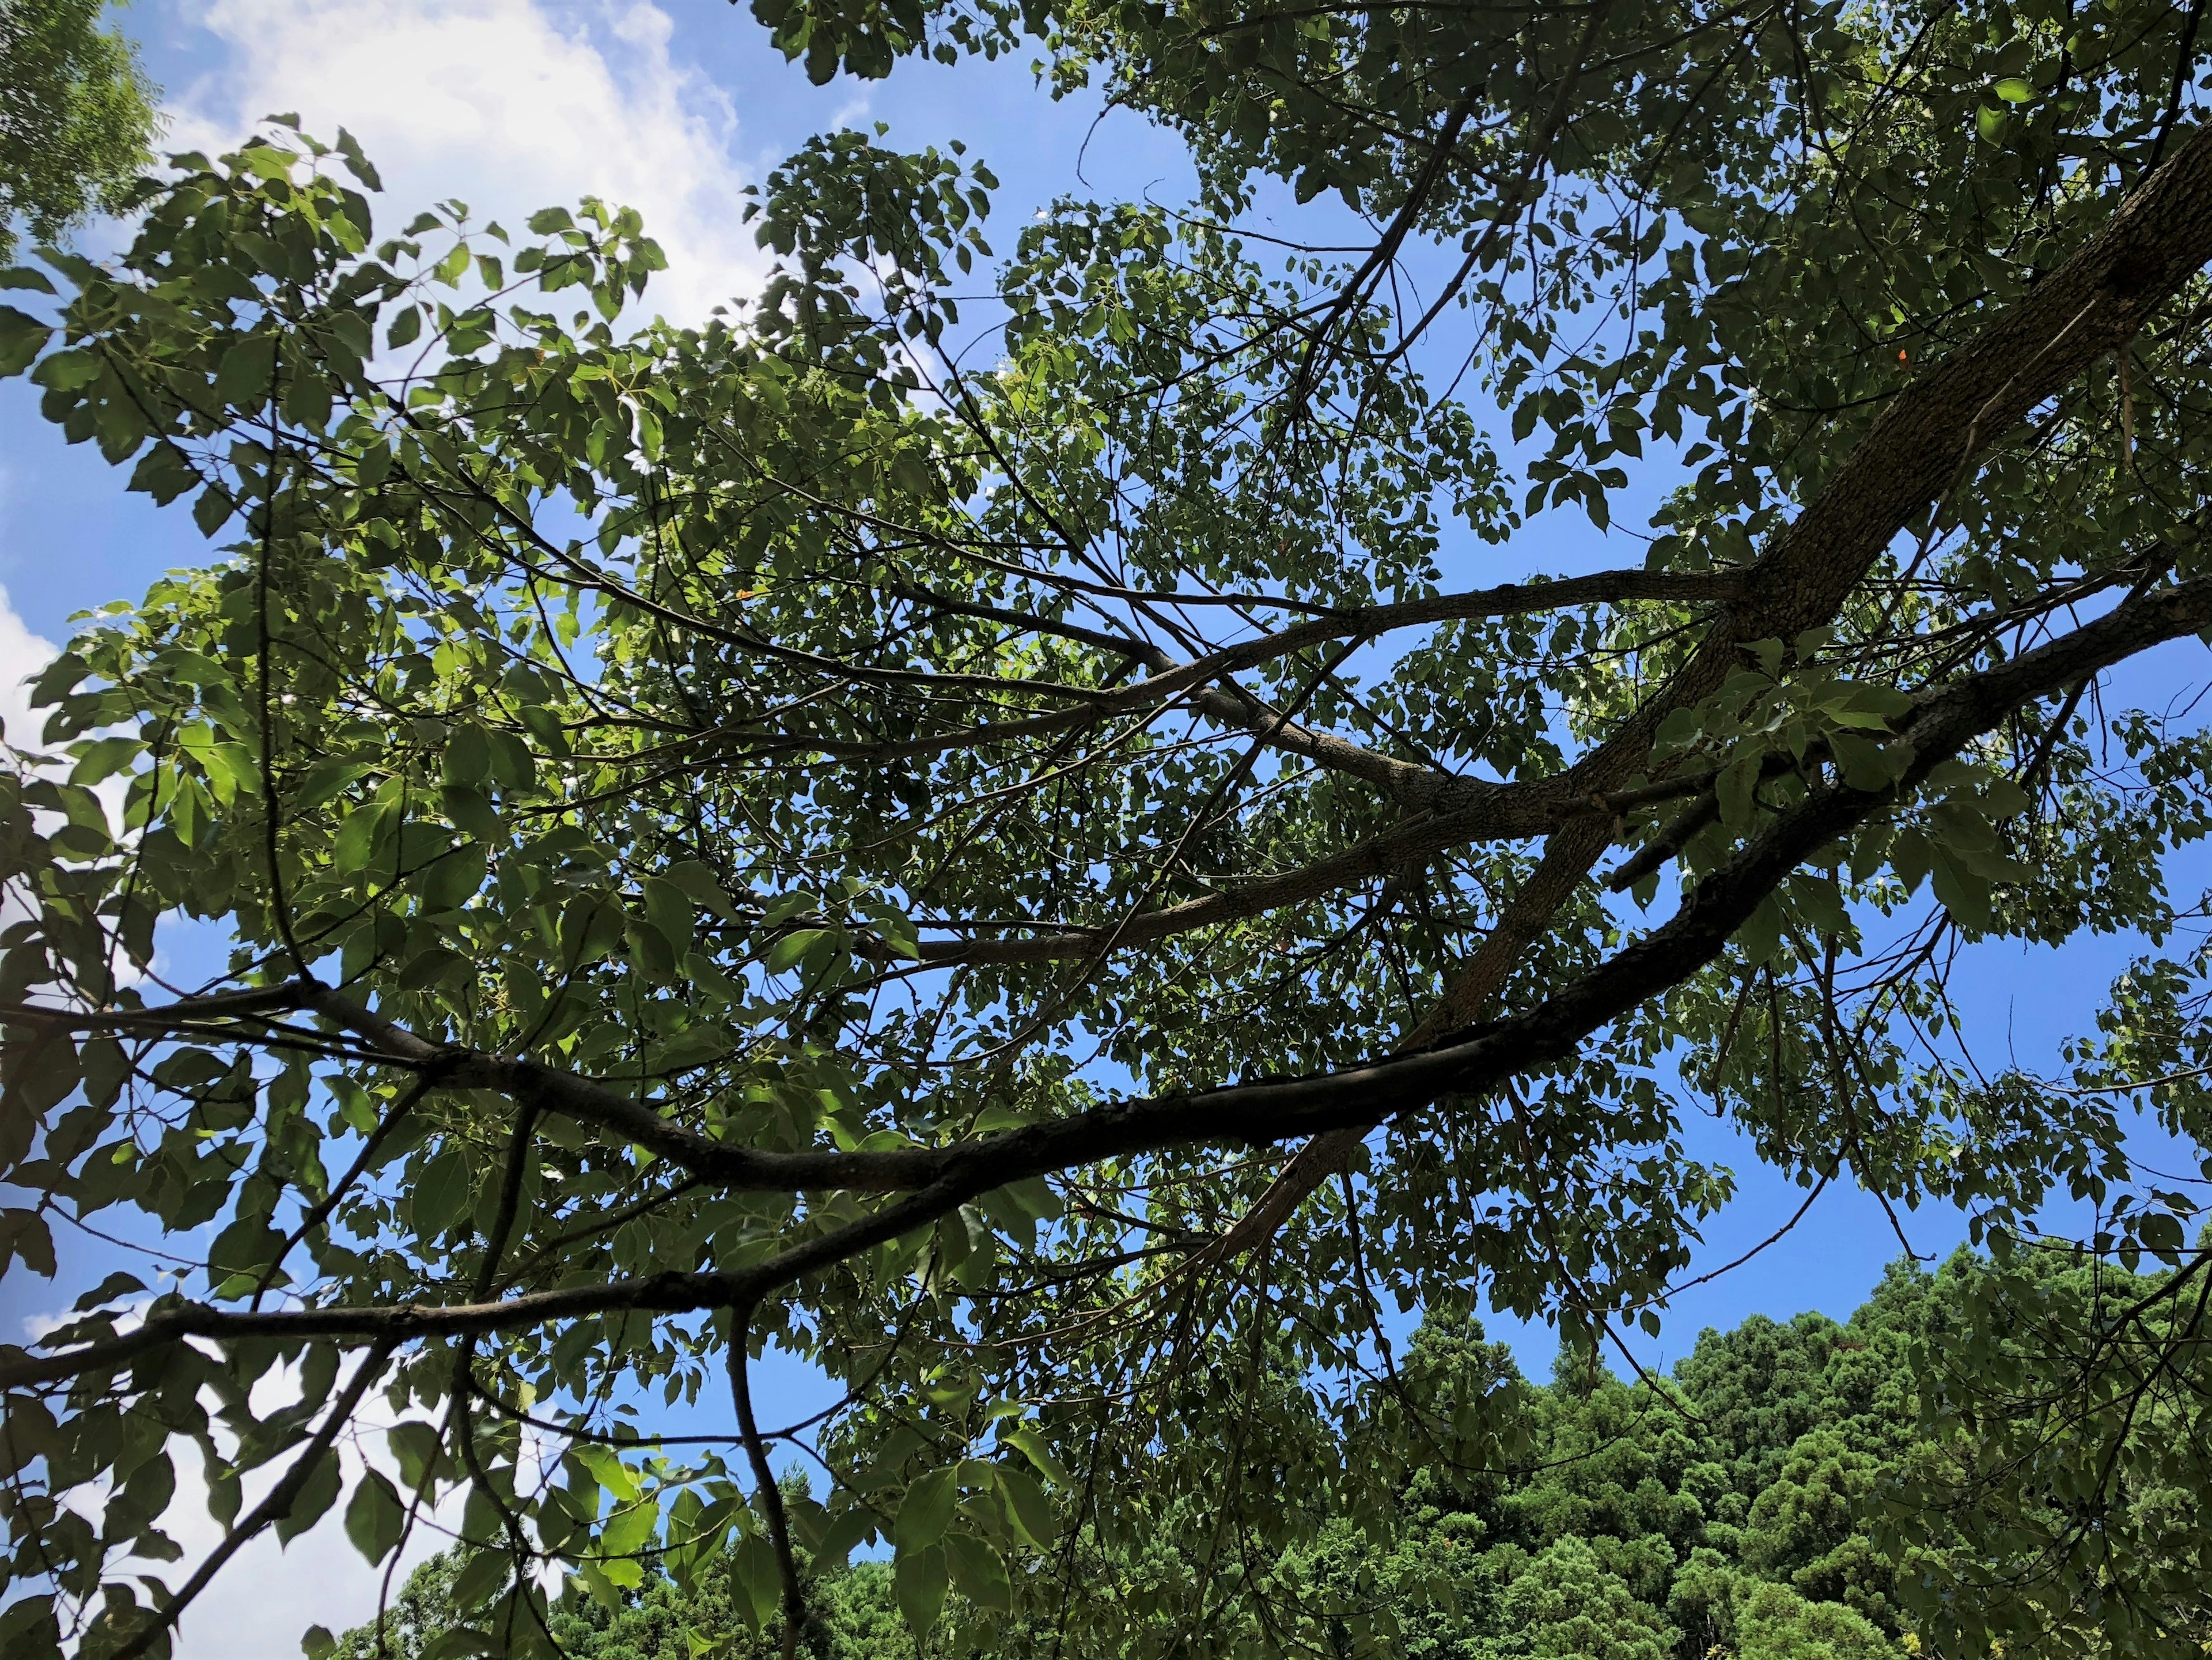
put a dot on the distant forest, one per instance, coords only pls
(1746, 1507)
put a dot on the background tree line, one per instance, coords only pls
(1769, 1500)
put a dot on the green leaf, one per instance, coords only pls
(442, 1193)
(919, 1579)
(753, 1566)
(103, 757)
(456, 1642)
(246, 379)
(2013, 90)
(1962, 893)
(468, 756)
(24, 1234)
(248, 1245)
(513, 767)
(1032, 1512)
(23, 337)
(1760, 939)
(375, 1517)
(69, 371)
(354, 845)
(211, 509)
(1025, 1440)
(1867, 765)
(356, 163)
(978, 1571)
(697, 881)
(415, 1445)
(846, 1530)
(2160, 1232)
(472, 810)
(1909, 857)
(668, 908)
(1736, 789)
(786, 953)
(631, 1529)
(320, 1493)
(453, 879)
(619, 1479)
(926, 1511)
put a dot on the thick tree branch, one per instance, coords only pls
(1921, 446)
(1918, 450)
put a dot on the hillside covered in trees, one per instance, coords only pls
(1736, 1509)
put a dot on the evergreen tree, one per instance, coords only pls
(77, 117)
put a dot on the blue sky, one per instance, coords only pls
(674, 108)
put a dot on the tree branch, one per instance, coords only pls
(1904, 465)
(771, 1496)
(940, 1179)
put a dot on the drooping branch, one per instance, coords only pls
(770, 1496)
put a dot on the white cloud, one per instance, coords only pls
(503, 105)
(22, 654)
(269, 1594)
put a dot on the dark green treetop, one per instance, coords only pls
(1629, 1518)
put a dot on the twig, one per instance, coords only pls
(771, 1496)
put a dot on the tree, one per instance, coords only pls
(1551, 1549)
(76, 117)
(854, 1616)
(1027, 874)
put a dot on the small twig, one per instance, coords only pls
(2183, 59)
(320, 1210)
(2127, 407)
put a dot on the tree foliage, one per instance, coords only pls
(1701, 1515)
(1030, 862)
(76, 117)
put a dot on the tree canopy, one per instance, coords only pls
(76, 117)
(1033, 862)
